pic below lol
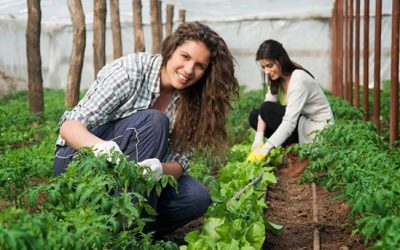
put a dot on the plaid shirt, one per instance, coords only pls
(123, 87)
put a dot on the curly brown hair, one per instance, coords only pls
(202, 108)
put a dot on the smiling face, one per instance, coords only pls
(186, 65)
(271, 69)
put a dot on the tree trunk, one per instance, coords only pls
(99, 34)
(116, 28)
(170, 19)
(78, 52)
(35, 80)
(155, 12)
(138, 26)
(182, 16)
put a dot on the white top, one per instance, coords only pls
(306, 98)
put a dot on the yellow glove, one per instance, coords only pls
(256, 156)
(260, 153)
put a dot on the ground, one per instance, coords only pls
(290, 205)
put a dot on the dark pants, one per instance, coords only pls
(141, 136)
(272, 114)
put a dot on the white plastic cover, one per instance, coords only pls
(303, 26)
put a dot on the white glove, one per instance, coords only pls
(154, 164)
(106, 148)
(258, 140)
(265, 149)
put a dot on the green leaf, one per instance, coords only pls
(255, 234)
(33, 195)
(275, 228)
(149, 209)
(209, 227)
(192, 237)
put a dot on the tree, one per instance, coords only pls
(170, 19)
(116, 28)
(78, 52)
(156, 23)
(99, 35)
(32, 35)
(138, 26)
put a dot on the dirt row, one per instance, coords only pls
(290, 205)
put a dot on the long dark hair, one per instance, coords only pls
(202, 108)
(273, 50)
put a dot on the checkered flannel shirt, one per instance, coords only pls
(123, 87)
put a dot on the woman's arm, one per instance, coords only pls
(172, 168)
(77, 135)
(261, 125)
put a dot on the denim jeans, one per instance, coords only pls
(141, 136)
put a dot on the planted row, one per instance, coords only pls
(236, 220)
(94, 205)
(356, 160)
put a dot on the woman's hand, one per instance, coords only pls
(264, 150)
(154, 165)
(106, 148)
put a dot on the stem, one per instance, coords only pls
(241, 191)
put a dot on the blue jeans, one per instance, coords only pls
(141, 136)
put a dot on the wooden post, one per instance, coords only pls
(365, 60)
(350, 65)
(346, 50)
(155, 26)
(334, 85)
(116, 28)
(340, 48)
(377, 65)
(32, 36)
(394, 88)
(182, 16)
(170, 19)
(160, 22)
(357, 58)
(138, 26)
(99, 35)
(78, 52)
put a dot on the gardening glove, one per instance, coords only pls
(264, 150)
(258, 140)
(155, 166)
(106, 148)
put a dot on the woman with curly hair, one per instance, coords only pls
(157, 109)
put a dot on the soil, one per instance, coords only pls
(290, 205)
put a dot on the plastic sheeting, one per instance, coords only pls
(303, 26)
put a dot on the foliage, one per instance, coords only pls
(94, 209)
(356, 161)
(238, 125)
(19, 128)
(89, 206)
(236, 223)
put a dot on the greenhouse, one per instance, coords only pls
(170, 124)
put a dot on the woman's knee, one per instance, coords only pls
(272, 107)
(253, 118)
(201, 200)
(159, 120)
